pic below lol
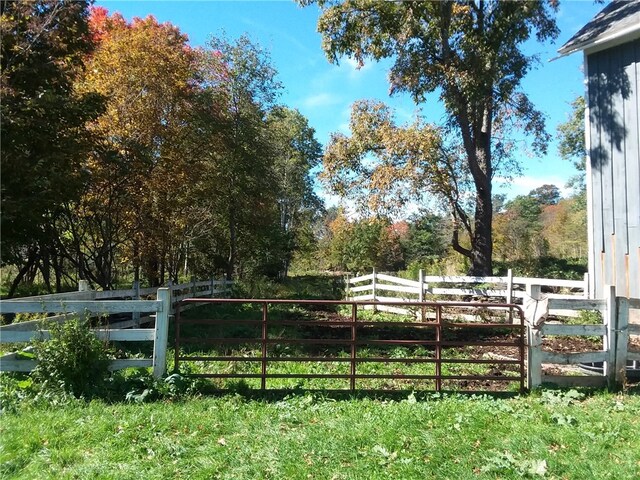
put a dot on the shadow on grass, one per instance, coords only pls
(277, 395)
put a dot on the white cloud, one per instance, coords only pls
(323, 99)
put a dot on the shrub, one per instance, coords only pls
(72, 361)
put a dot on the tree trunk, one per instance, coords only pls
(31, 261)
(233, 241)
(481, 243)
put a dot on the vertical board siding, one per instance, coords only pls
(632, 122)
(595, 180)
(620, 94)
(614, 151)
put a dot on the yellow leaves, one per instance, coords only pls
(458, 9)
(382, 163)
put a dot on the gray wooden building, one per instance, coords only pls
(611, 46)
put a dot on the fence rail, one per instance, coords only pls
(160, 308)
(86, 303)
(505, 289)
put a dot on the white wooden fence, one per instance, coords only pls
(160, 307)
(87, 303)
(563, 307)
(508, 289)
(615, 354)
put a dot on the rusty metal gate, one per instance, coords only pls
(449, 345)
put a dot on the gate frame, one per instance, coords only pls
(439, 325)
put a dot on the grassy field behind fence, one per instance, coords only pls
(551, 435)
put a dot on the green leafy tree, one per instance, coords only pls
(571, 144)
(426, 240)
(297, 152)
(546, 194)
(468, 51)
(241, 85)
(44, 139)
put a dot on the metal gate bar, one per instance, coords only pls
(439, 326)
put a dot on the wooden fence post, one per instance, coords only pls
(534, 347)
(135, 316)
(509, 298)
(622, 340)
(373, 289)
(161, 333)
(347, 286)
(609, 341)
(509, 286)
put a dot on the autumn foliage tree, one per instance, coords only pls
(144, 69)
(471, 53)
(126, 153)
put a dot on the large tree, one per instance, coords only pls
(241, 84)
(44, 139)
(142, 169)
(470, 52)
(296, 152)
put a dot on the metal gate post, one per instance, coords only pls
(354, 318)
(176, 357)
(263, 380)
(438, 348)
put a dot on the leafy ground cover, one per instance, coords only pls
(549, 434)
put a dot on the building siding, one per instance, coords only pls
(613, 169)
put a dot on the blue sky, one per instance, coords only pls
(324, 92)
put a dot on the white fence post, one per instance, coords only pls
(534, 340)
(609, 340)
(135, 316)
(347, 288)
(622, 340)
(83, 286)
(373, 288)
(509, 298)
(161, 333)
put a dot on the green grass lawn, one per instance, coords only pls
(545, 435)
